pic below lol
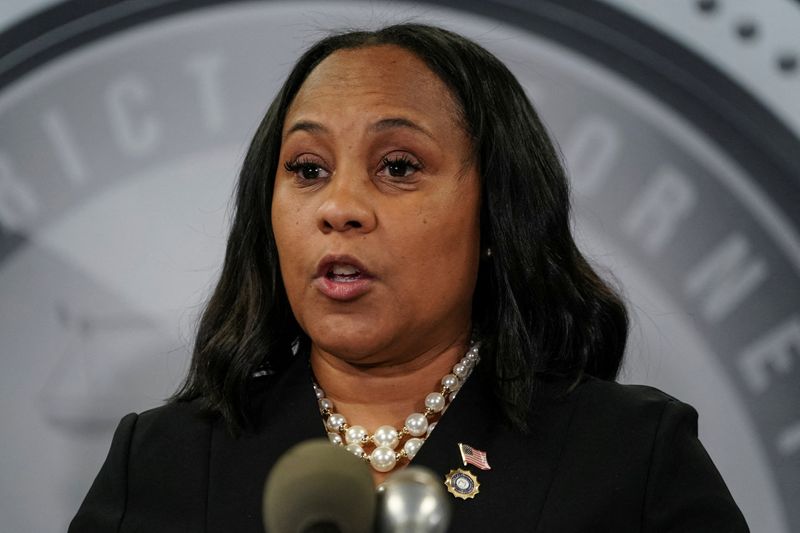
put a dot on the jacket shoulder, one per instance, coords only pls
(636, 450)
(172, 420)
(168, 467)
(155, 473)
(642, 405)
(623, 394)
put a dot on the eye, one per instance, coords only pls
(306, 169)
(399, 166)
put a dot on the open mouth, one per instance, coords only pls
(343, 278)
(342, 272)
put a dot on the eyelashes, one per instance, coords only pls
(399, 167)
(305, 169)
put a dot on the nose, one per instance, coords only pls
(346, 207)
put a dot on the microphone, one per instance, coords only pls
(412, 501)
(319, 488)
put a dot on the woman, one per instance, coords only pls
(401, 213)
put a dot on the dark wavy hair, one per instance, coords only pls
(540, 307)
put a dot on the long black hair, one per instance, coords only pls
(540, 307)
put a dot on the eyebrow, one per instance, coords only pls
(381, 125)
(398, 122)
(306, 125)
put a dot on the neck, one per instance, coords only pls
(375, 395)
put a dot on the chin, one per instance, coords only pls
(356, 343)
(353, 348)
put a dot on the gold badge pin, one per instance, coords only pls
(462, 484)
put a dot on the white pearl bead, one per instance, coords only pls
(319, 392)
(416, 424)
(451, 382)
(431, 428)
(412, 446)
(382, 459)
(435, 402)
(335, 438)
(355, 434)
(386, 436)
(466, 362)
(472, 355)
(325, 403)
(460, 370)
(355, 449)
(335, 421)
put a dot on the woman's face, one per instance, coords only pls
(376, 208)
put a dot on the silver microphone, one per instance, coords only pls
(412, 501)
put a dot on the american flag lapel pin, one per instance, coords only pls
(473, 456)
(462, 483)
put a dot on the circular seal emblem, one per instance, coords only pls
(462, 484)
(123, 125)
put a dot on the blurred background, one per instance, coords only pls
(123, 124)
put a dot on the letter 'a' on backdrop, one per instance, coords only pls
(122, 126)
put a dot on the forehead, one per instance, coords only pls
(384, 77)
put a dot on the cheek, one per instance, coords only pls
(290, 216)
(444, 245)
(286, 227)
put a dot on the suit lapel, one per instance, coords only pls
(239, 466)
(513, 492)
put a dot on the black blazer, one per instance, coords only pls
(604, 457)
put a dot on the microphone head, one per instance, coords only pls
(316, 486)
(413, 501)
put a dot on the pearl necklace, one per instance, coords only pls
(418, 426)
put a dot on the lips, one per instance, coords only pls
(342, 277)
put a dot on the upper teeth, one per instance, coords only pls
(344, 270)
